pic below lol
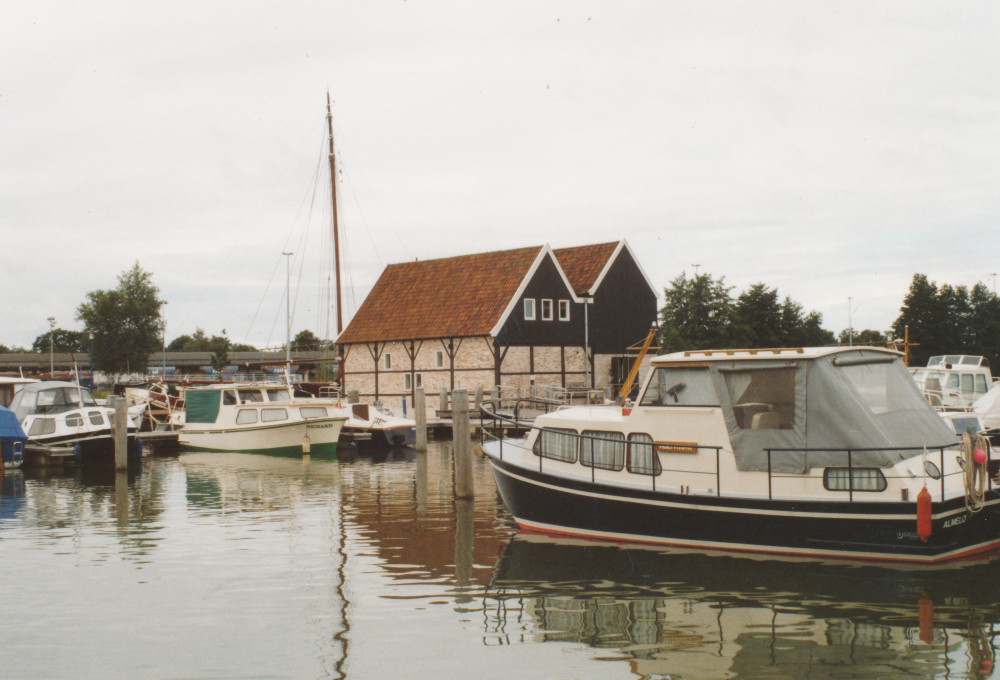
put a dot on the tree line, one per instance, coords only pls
(126, 325)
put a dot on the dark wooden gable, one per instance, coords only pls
(624, 307)
(545, 284)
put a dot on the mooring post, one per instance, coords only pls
(353, 396)
(443, 399)
(121, 433)
(121, 499)
(461, 443)
(420, 415)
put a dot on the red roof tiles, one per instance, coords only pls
(460, 296)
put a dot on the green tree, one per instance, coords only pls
(984, 323)
(220, 353)
(861, 337)
(758, 318)
(942, 320)
(62, 341)
(125, 321)
(306, 341)
(696, 314)
(4, 349)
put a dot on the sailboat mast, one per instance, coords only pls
(336, 230)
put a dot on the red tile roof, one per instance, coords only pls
(462, 296)
(583, 264)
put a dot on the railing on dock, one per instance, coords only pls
(500, 422)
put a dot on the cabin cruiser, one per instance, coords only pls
(954, 381)
(257, 418)
(828, 452)
(66, 414)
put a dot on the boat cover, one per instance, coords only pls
(10, 428)
(201, 406)
(987, 407)
(857, 401)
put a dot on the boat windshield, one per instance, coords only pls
(54, 400)
(680, 386)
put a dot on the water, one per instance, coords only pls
(244, 566)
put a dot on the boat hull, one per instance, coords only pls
(284, 439)
(96, 447)
(553, 505)
(382, 437)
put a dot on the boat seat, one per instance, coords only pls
(769, 420)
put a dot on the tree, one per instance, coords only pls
(306, 341)
(865, 337)
(4, 349)
(696, 314)
(759, 318)
(220, 353)
(62, 341)
(946, 320)
(125, 321)
(200, 342)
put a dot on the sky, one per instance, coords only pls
(827, 149)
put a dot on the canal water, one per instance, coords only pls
(246, 566)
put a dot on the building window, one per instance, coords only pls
(420, 381)
(529, 309)
(439, 359)
(546, 310)
(564, 310)
(388, 362)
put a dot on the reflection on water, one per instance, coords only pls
(237, 565)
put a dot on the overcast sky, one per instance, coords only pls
(828, 149)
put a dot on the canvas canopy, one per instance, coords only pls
(201, 406)
(816, 408)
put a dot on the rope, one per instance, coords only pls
(975, 473)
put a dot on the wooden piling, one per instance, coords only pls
(443, 399)
(353, 396)
(420, 415)
(462, 444)
(121, 433)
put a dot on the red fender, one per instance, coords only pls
(924, 514)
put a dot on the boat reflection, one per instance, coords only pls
(678, 614)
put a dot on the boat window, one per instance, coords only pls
(967, 382)
(95, 418)
(229, 398)
(952, 358)
(680, 387)
(603, 450)
(74, 420)
(934, 361)
(953, 381)
(250, 396)
(246, 416)
(858, 479)
(277, 395)
(872, 384)
(981, 383)
(763, 399)
(42, 426)
(269, 415)
(313, 412)
(963, 425)
(971, 361)
(932, 470)
(557, 444)
(641, 458)
(60, 399)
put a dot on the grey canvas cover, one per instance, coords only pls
(857, 400)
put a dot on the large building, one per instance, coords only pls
(508, 317)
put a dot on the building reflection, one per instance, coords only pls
(674, 614)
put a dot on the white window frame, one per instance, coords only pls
(564, 305)
(439, 359)
(529, 317)
(387, 361)
(544, 316)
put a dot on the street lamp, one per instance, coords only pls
(52, 331)
(163, 325)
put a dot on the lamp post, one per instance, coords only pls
(163, 331)
(91, 334)
(52, 331)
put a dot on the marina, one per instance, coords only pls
(239, 565)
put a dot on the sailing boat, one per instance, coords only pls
(367, 424)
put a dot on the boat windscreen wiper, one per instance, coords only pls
(675, 390)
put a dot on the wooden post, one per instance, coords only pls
(479, 398)
(461, 443)
(443, 398)
(353, 397)
(121, 433)
(420, 415)
(465, 533)
(121, 498)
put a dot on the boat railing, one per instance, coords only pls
(500, 422)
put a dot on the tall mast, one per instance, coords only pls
(336, 232)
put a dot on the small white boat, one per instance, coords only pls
(257, 418)
(953, 381)
(65, 414)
